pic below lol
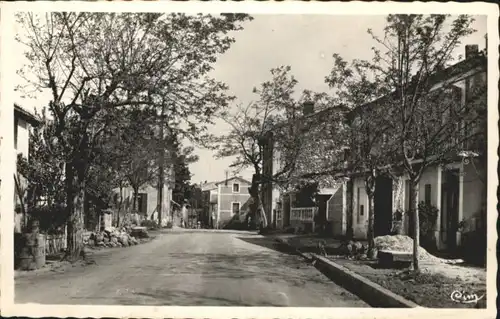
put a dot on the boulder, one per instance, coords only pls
(123, 239)
(132, 240)
(358, 247)
(109, 229)
(114, 240)
(106, 240)
(99, 237)
(139, 232)
(100, 244)
(91, 242)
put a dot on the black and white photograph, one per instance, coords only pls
(242, 158)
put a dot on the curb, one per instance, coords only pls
(285, 243)
(370, 292)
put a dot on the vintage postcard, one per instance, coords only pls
(248, 160)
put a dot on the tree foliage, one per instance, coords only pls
(96, 63)
(277, 120)
(411, 99)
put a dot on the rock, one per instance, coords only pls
(91, 242)
(114, 240)
(100, 243)
(106, 240)
(358, 247)
(109, 229)
(123, 240)
(99, 237)
(372, 254)
(140, 232)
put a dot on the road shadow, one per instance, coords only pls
(270, 243)
(267, 267)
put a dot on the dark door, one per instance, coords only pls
(383, 206)
(452, 192)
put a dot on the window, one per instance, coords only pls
(427, 198)
(236, 208)
(236, 188)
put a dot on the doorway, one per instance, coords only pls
(383, 206)
(450, 198)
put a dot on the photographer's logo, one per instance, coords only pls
(465, 297)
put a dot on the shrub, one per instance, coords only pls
(52, 219)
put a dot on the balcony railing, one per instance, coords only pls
(303, 214)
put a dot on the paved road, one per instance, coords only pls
(189, 268)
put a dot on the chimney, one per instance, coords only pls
(308, 108)
(471, 50)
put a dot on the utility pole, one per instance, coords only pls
(161, 168)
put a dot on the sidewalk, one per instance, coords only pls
(432, 287)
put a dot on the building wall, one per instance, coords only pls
(360, 214)
(336, 212)
(152, 200)
(474, 192)
(21, 144)
(22, 141)
(226, 198)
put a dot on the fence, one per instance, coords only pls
(303, 214)
(54, 244)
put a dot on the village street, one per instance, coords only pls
(190, 268)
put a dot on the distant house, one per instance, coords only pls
(146, 206)
(225, 199)
(23, 123)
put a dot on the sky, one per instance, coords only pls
(304, 42)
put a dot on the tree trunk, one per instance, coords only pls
(349, 209)
(160, 194)
(370, 191)
(416, 222)
(120, 204)
(134, 200)
(74, 205)
(263, 212)
(256, 199)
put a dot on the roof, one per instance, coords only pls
(241, 179)
(26, 115)
(478, 60)
(208, 186)
(213, 185)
